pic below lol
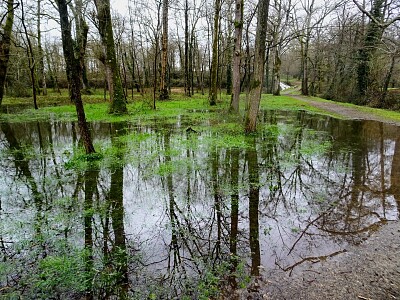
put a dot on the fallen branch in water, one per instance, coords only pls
(313, 259)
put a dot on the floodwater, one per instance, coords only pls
(169, 214)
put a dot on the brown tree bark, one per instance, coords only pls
(215, 53)
(256, 83)
(74, 71)
(277, 73)
(5, 43)
(236, 74)
(164, 95)
(188, 89)
(118, 100)
(41, 72)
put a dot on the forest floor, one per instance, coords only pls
(368, 271)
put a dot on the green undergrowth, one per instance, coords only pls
(194, 110)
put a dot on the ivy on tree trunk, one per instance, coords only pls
(74, 71)
(117, 95)
(5, 43)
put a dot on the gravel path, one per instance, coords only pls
(345, 111)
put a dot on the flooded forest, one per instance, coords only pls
(172, 213)
(162, 149)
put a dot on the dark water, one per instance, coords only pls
(170, 214)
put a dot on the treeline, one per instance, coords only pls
(342, 50)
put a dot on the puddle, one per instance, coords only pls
(169, 213)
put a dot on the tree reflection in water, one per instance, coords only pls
(254, 199)
(169, 213)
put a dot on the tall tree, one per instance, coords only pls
(372, 39)
(188, 89)
(236, 75)
(74, 73)
(5, 43)
(164, 52)
(229, 48)
(118, 100)
(256, 83)
(215, 53)
(31, 56)
(40, 67)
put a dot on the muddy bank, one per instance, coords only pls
(369, 271)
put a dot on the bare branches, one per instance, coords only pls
(383, 25)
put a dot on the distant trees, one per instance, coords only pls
(328, 48)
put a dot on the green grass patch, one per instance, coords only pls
(195, 110)
(271, 102)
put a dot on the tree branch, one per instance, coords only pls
(373, 19)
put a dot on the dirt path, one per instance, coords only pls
(369, 271)
(346, 112)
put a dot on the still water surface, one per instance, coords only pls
(169, 213)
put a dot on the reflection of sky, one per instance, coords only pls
(314, 182)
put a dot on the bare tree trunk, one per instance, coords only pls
(74, 71)
(5, 46)
(256, 83)
(236, 75)
(118, 100)
(31, 57)
(187, 72)
(304, 66)
(164, 53)
(229, 50)
(42, 74)
(387, 81)
(214, 64)
(277, 73)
